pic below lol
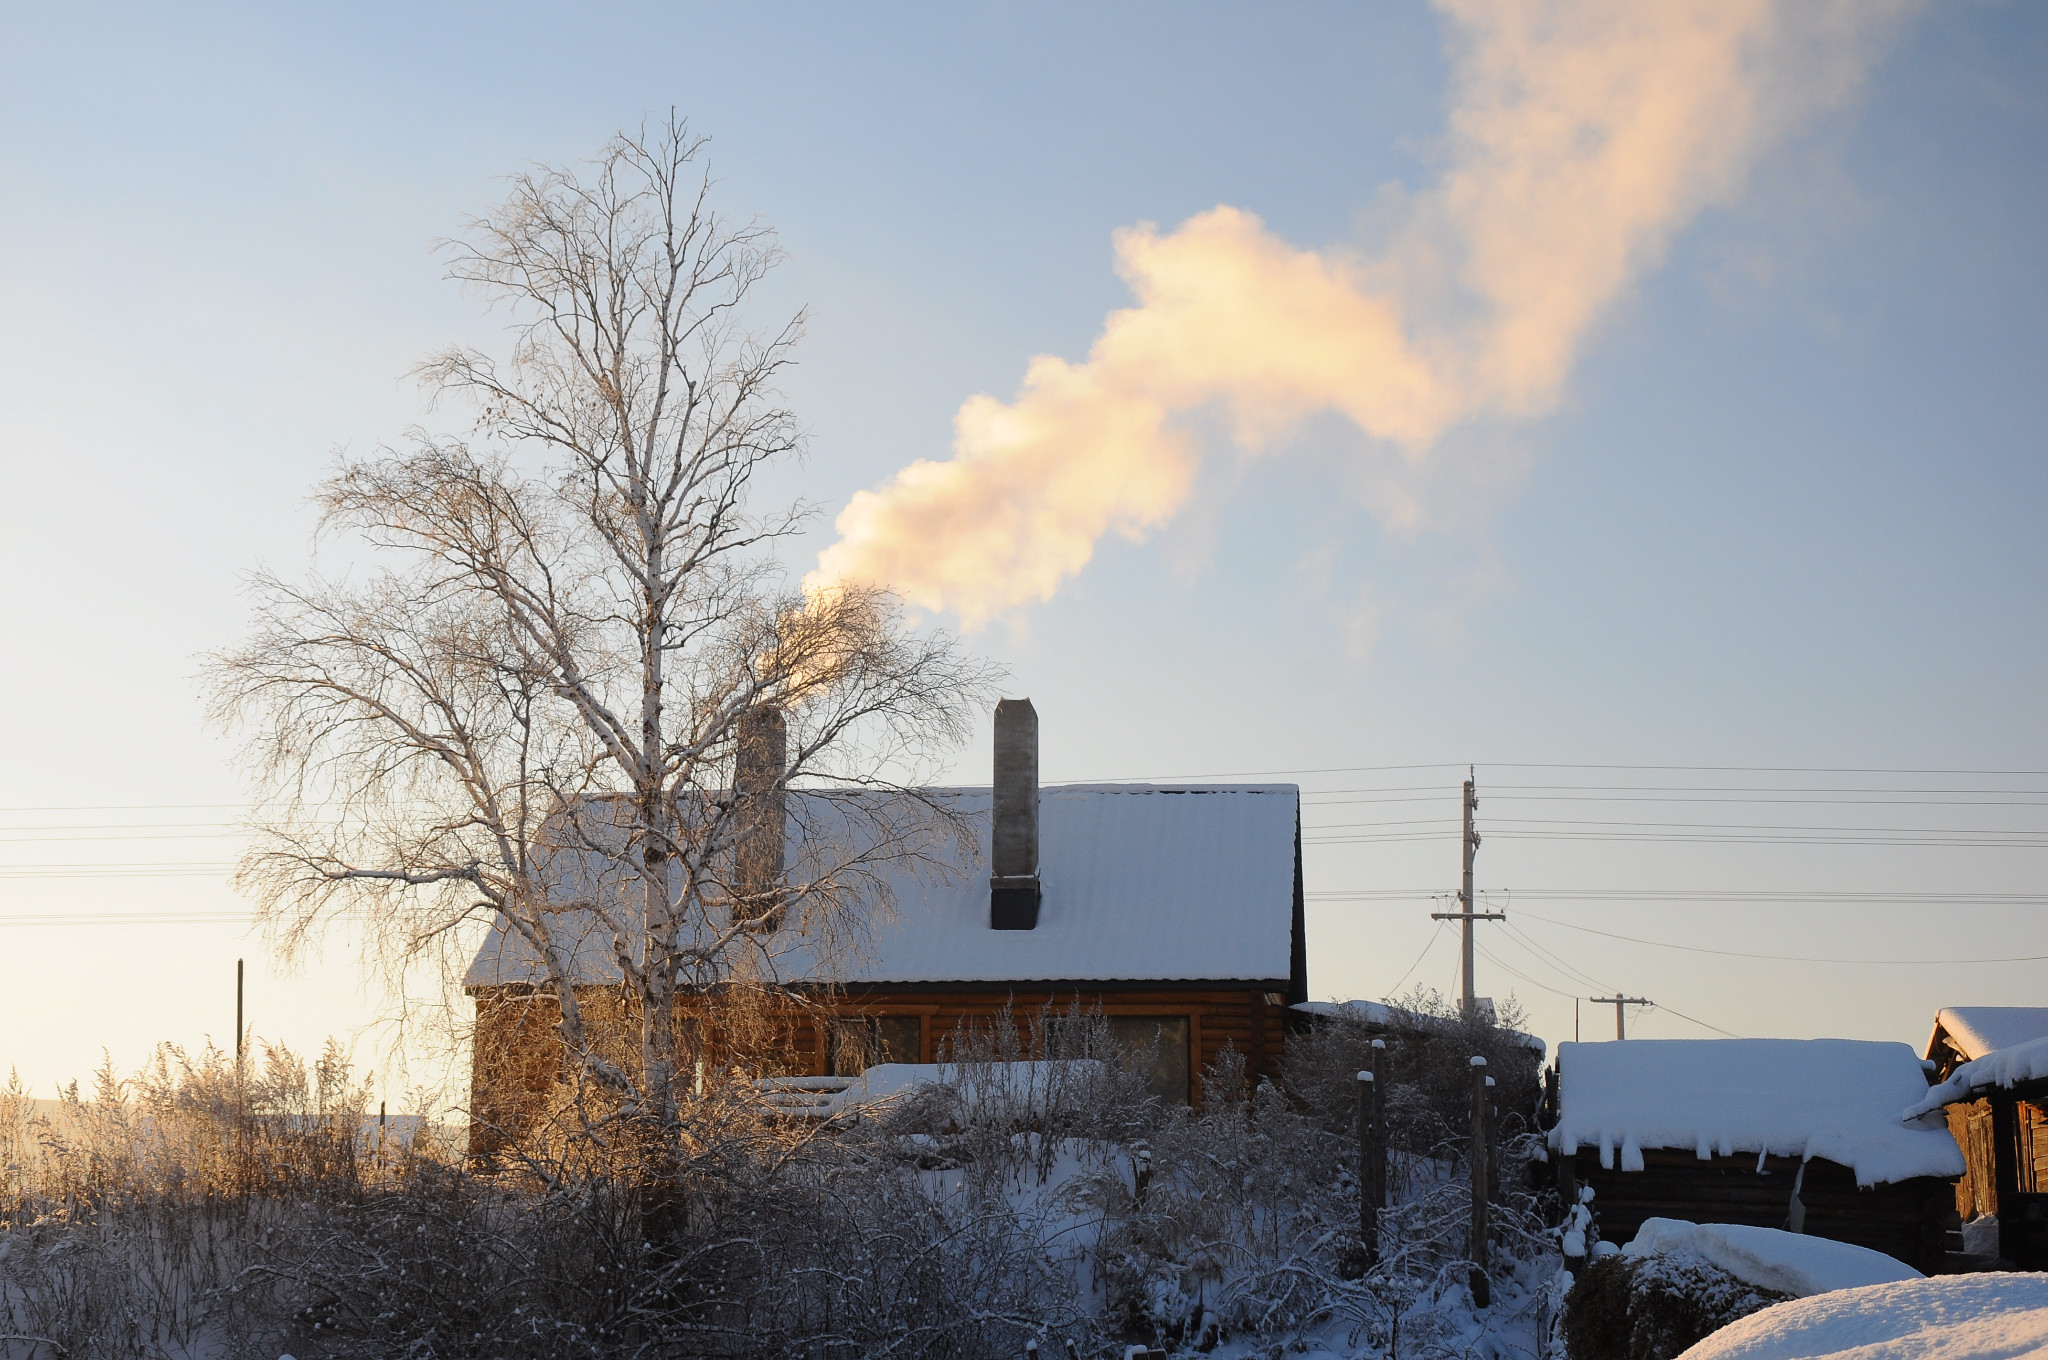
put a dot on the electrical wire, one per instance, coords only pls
(1506, 967)
(1655, 1005)
(1396, 988)
(1781, 958)
(1758, 896)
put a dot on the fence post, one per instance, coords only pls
(1379, 1125)
(1492, 1143)
(1368, 1207)
(1372, 1154)
(1482, 1288)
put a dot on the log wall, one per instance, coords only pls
(1907, 1220)
(516, 1059)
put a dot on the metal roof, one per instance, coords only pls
(1141, 883)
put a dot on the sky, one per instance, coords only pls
(1715, 553)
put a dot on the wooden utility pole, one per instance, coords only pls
(1467, 1001)
(1482, 1287)
(1372, 1153)
(238, 1010)
(1621, 1004)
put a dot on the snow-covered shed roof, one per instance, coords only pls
(2001, 1068)
(1380, 1015)
(1140, 883)
(1975, 1031)
(1837, 1099)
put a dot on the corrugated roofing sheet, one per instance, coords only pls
(1192, 883)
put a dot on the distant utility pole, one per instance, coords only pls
(1621, 1004)
(1467, 1001)
(238, 1010)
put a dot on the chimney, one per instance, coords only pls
(758, 768)
(1013, 823)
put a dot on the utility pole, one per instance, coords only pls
(238, 1010)
(1621, 1004)
(1467, 1001)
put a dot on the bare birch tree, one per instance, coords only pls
(575, 617)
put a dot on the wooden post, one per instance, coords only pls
(1372, 1154)
(1379, 1123)
(1482, 1288)
(1492, 1144)
(2005, 1174)
(1368, 1206)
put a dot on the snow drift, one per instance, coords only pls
(1949, 1317)
(1788, 1263)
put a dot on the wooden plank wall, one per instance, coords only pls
(1906, 1219)
(516, 1061)
(1971, 1123)
(1239, 1019)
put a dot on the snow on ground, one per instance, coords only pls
(2003, 1067)
(1948, 1317)
(1833, 1098)
(1789, 1263)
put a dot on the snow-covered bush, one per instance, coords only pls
(1654, 1307)
(129, 1214)
(200, 1211)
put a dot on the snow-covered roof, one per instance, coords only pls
(1379, 1015)
(2002, 1067)
(1833, 1098)
(1140, 882)
(1975, 1031)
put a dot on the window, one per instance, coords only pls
(1160, 1043)
(860, 1042)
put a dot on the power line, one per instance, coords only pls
(1739, 826)
(1766, 769)
(1701, 1023)
(1505, 967)
(1724, 895)
(128, 918)
(1564, 966)
(1779, 958)
(1396, 988)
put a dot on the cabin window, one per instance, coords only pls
(860, 1042)
(1160, 1043)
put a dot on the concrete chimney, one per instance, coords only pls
(1013, 823)
(763, 756)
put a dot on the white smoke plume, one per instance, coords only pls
(1583, 134)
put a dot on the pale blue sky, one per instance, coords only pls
(1787, 515)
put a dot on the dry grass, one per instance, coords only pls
(197, 1209)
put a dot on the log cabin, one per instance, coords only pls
(1174, 911)
(1807, 1135)
(1996, 1103)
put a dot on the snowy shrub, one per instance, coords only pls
(1245, 1224)
(200, 1210)
(1426, 1063)
(130, 1214)
(1653, 1307)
